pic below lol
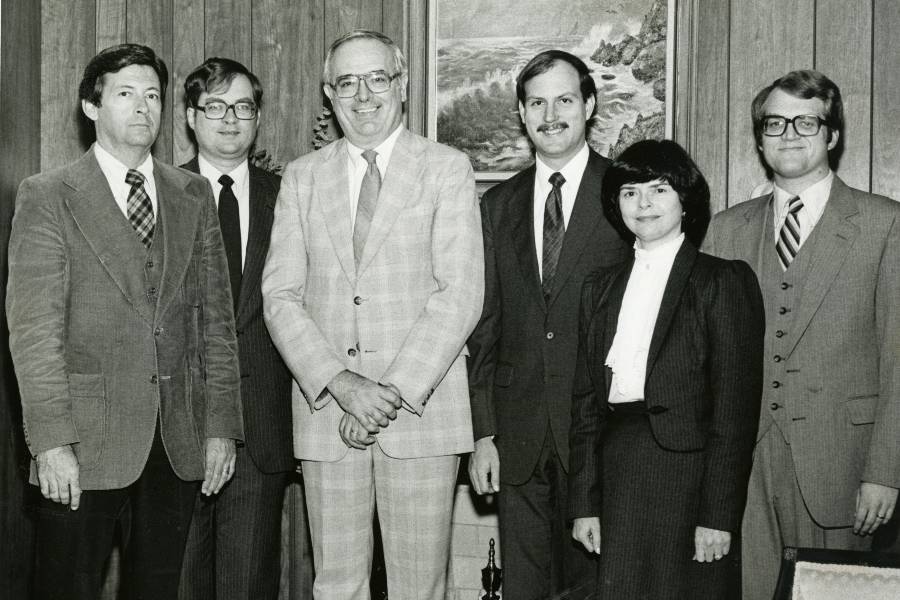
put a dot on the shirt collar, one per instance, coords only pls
(238, 174)
(814, 197)
(572, 170)
(384, 150)
(664, 254)
(115, 170)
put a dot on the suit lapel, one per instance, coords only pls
(614, 305)
(678, 278)
(107, 231)
(749, 240)
(582, 223)
(178, 215)
(522, 231)
(262, 205)
(330, 184)
(836, 232)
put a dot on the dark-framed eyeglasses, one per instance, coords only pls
(378, 82)
(804, 125)
(216, 110)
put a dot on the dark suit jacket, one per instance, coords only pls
(703, 383)
(523, 349)
(99, 356)
(265, 380)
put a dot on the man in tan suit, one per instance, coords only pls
(373, 282)
(122, 336)
(827, 461)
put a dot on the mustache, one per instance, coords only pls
(546, 126)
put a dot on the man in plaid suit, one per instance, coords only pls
(373, 282)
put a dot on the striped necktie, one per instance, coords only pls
(140, 209)
(788, 243)
(554, 231)
(365, 207)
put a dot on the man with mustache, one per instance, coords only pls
(544, 230)
(122, 336)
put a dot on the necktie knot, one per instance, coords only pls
(226, 181)
(370, 156)
(794, 205)
(134, 178)
(557, 179)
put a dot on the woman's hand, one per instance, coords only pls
(710, 544)
(587, 531)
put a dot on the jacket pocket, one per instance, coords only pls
(861, 409)
(503, 375)
(89, 413)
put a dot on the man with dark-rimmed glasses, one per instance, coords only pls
(827, 460)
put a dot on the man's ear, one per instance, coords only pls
(191, 117)
(522, 111)
(328, 92)
(89, 110)
(404, 82)
(589, 107)
(833, 136)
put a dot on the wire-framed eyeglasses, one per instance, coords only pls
(378, 82)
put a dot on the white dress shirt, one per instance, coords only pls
(814, 199)
(357, 165)
(572, 171)
(115, 171)
(240, 175)
(634, 330)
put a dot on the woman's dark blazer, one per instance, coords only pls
(703, 383)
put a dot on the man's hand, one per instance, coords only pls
(220, 457)
(57, 471)
(587, 531)
(874, 507)
(373, 405)
(711, 544)
(484, 467)
(353, 434)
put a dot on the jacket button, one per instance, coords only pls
(783, 310)
(357, 300)
(777, 358)
(785, 285)
(154, 379)
(550, 335)
(779, 333)
(149, 264)
(158, 331)
(774, 406)
(776, 384)
(351, 352)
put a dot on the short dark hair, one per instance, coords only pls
(649, 160)
(805, 84)
(216, 73)
(114, 59)
(543, 62)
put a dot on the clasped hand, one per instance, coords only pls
(368, 407)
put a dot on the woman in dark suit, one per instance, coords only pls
(667, 390)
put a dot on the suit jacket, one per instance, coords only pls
(840, 381)
(99, 356)
(265, 380)
(401, 317)
(703, 382)
(523, 349)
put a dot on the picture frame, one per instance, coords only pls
(476, 48)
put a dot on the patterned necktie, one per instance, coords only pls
(140, 209)
(554, 231)
(230, 224)
(788, 243)
(365, 207)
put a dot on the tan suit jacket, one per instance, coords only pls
(840, 381)
(401, 318)
(99, 354)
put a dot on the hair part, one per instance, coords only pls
(546, 60)
(649, 160)
(400, 65)
(216, 74)
(113, 60)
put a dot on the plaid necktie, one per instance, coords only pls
(554, 231)
(365, 207)
(788, 243)
(140, 209)
(230, 224)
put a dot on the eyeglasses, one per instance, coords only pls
(378, 82)
(216, 110)
(804, 125)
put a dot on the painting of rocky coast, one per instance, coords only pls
(481, 45)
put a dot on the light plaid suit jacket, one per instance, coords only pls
(402, 318)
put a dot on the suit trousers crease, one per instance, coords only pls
(538, 555)
(153, 515)
(776, 516)
(415, 502)
(234, 545)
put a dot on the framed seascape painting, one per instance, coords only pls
(477, 47)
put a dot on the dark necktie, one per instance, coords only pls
(554, 231)
(139, 207)
(788, 243)
(230, 224)
(365, 207)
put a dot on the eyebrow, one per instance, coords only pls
(210, 98)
